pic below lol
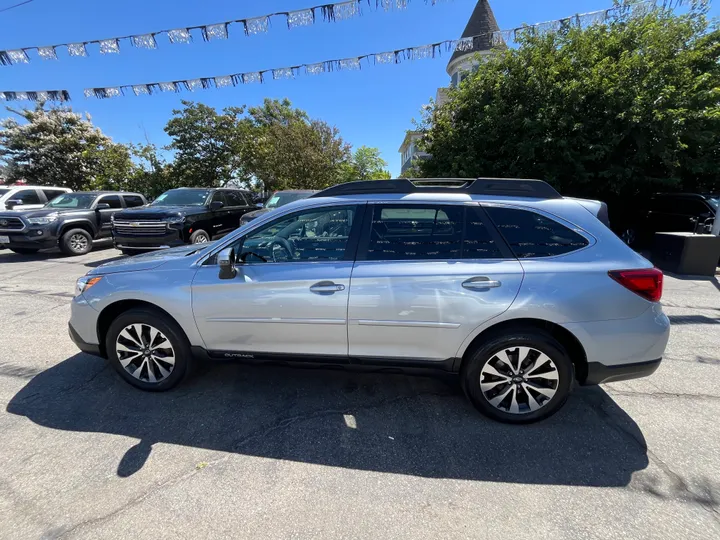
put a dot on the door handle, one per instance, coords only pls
(326, 287)
(481, 284)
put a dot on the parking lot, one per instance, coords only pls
(277, 452)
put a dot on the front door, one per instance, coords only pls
(290, 294)
(105, 214)
(427, 275)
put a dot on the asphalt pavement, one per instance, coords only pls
(276, 452)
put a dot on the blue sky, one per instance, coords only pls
(371, 107)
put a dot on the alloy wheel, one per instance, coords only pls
(201, 239)
(145, 352)
(519, 380)
(78, 243)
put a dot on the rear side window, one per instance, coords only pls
(532, 235)
(432, 232)
(52, 193)
(132, 201)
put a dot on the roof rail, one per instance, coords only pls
(508, 187)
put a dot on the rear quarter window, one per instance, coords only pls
(530, 234)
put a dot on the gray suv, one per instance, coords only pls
(515, 288)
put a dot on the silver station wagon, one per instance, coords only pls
(518, 290)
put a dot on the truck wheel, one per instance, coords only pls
(76, 242)
(24, 251)
(199, 237)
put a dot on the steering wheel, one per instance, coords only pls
(283, 244)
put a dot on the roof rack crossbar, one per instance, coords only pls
(511, 187)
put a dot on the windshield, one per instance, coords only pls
(3, 192)
(182, 197)
(281, 199)
(714, 202)
(72, 200)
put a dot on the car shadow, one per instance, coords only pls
(401, 424)
(9, 257)
(689, 277)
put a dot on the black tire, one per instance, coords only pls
(70, 243)
(198, 236)
(173, 333)
(24, 251)
(536, 339)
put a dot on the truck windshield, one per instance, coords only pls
(72, 200)
(182, 197)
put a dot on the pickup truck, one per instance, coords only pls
(71, 222)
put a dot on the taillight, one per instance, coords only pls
(647, 283)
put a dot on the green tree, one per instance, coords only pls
(366, 164)
(286, 149)
(208, 145)
(608, 111)
(61, 148)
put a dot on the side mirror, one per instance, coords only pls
(259, 205)
(226, 262)
(12, 203)
(102, 206)
(216, 205)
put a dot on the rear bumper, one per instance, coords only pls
(600, 373)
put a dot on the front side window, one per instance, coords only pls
(533, 235)
(72, 200)
(320, 234)
(219, 196)
(112, 200)
(235, 198)
(27, 196)
(182, 197)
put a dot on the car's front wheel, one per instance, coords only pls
(148, 349)
(518, 378)
(199, 237)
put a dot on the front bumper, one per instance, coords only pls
(85, 347)
(31, 238)
(172, 238)
(600, 373)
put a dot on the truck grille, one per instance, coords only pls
(11, 224)
(139, 228)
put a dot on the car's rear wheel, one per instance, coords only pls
(148, 349)
(24, 251)
(76, 242)
(521, 377)
(199, 237)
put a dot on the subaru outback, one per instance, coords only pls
(518, 290)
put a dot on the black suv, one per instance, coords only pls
(71, 221)
(671, 212)
(180, 216)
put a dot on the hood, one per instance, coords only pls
(159, 212)
(256, 213)
(42, 212)
(148, 261)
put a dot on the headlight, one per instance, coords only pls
(176, 219)
(84, 283)
(43, 220)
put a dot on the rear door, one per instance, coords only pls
(426, 276)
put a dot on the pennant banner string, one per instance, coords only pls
(337, 11)
(35, 95)
(499, 38)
